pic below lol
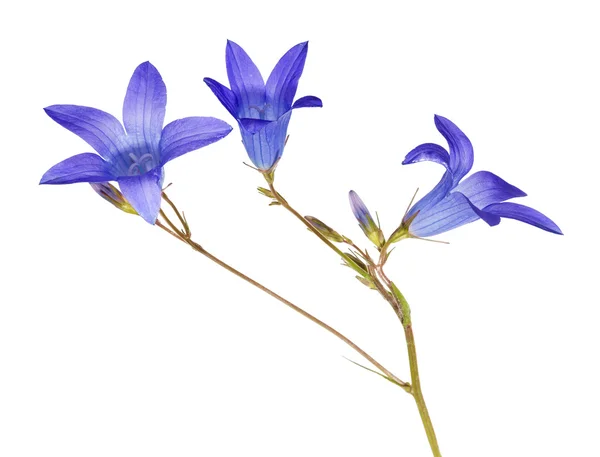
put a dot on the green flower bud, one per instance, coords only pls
(325, 230)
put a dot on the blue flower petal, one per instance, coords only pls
(283, 81)
(489, 218)
(143, 192)
(309, 101)
(524, 214)
(253, 125)
(360, 210)
(435, 195)
(144, 109)
(189, 134)
(428, 152)
(264, 141)
(225, 96)
(452, 212)
(484, 188)
(461, 149)
(85, 167)
(245, 80)
(100, 130)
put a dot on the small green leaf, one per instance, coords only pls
(405, 387)
(265, 192)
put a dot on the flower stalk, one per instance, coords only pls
(390, 292)
(417, 393)
(184, 235)
(283, 202)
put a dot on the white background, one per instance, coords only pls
(117, 340)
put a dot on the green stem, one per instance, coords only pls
(400, 306)
(416, 391)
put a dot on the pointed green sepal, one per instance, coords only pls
(404, 307)
(375, 235)
(367, 281)
(404, 385)
(356, 264)
(265, 192)
(269, 175)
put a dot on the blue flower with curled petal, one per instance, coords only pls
(262, 110)
(455, 201)
(133, 156)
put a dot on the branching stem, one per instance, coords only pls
(184, 235)
(393, 296)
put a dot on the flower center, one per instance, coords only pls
(140, 165)
(260, 111)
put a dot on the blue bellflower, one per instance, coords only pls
(133, 156)
(262, 110)
(455, 201)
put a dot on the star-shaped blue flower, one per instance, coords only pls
(262, 110)
(133, 156)
(455, 201)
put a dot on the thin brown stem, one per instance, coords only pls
(169, 231)
(182, 236)
(181, 218)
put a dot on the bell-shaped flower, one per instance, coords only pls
(262, 110)
(133, 156)
(455, 201)
(365, 220)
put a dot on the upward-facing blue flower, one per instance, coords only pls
(134, 156)
(262, 110)
(453, 201)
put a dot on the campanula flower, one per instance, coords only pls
(133, 156)
(455, 201)
(365, 220)
(262, 110)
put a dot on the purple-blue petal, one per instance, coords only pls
(428, 152)
(484, 188)
(245, 80)
(489, 218)
(85, 167)
(144, 109)
(265, 145)
(359, 209)
(283, 81)
(435, 195)
(190, 133)
(225, 96)
(143, 192)
(461, 149)
(452, 212)
(309, 101)
(100, 130)
(253, 125)
(524, 214)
